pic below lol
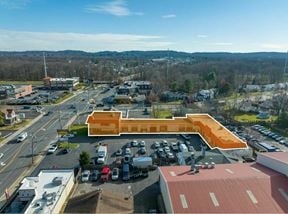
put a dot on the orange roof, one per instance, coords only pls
(111, 124)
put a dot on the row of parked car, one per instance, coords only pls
(103, 176)
(166, 149)
(264, 131)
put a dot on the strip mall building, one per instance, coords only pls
(101, 123)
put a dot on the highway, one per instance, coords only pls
(17, 156)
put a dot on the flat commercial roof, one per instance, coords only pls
(43, 183)
(228, 188)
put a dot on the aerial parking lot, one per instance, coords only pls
(161, 149)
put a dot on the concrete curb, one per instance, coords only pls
(20, 130)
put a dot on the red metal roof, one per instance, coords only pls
(228, 188)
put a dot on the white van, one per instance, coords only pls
(102, 153)
(22, 137)
(183, 147)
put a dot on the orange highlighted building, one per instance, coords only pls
(103, 123)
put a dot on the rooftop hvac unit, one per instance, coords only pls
(57, 181)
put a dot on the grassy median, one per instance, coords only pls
(66, 145)
(81, 130)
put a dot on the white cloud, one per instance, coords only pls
(274, 47)
(202, 36)
(223, 43)
(14, 4)
(115, 8)
(169, 16)
(22, 40)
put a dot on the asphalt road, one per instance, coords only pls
(17, 156)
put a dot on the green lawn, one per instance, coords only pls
(80, 129)
(162, 113)
(22, 82)
(252, 118)
(17, 126)
(66, 145)
(1, 139)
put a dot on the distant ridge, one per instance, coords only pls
(144, 54)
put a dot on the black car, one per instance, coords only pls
(48, 113)
(66, 151)
(99, 105)
(142, 150)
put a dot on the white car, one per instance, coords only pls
(1, 155)
(22, 137)
(115, 174)
(52, 149)
(128, 151)
(85, 175)
(166, 149)
(142, 143)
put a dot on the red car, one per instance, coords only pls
(105, 174)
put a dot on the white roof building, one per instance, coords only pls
(47, 192)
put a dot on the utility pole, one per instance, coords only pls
(167, 69)
(32, 149)
(60, 122)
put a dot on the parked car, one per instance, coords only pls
(134, 143)
(66, 150)
(190, 148)
(70, 135)
(95, 175)
(118, 152)
(142, 150)
(115, 174)
(142, 143)
(126, 172)
(164, 143)
(129, 145)
(166, 149)
(170, 155)
(161, 153)
(128, 151)
(85, 176)
(105, 174)
(157, 145)
(174, 146)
